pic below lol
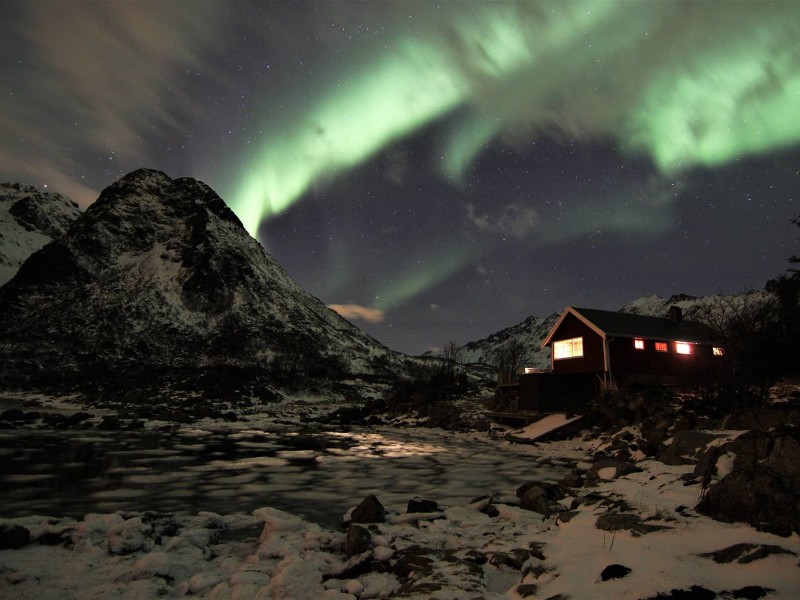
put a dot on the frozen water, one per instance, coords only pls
(317, 475)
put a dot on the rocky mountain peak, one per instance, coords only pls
(159, 272)
(29, 219)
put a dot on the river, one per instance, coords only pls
(317, 475)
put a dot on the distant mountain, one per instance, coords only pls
(532, 331)
(160, 275)
(29, 219)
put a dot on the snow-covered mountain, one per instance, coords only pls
(29, 219)
(532, 331)
(530, 334)
(160, 274)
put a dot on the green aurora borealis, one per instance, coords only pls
(702, 88)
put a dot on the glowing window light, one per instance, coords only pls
(571, 348)
(638, 343)
(683, 347)
(662, 347)
(718, 351)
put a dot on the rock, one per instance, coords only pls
(601, 469)
(527, 590)
(420, 505)
(779, 449)
(412, 560)
(14, 537)
(616, 521)
(369, 511)
(357, 540)
(758, 495)
(553, 490)
(109, 423)
(573, 480)
(12, 414)
(75, 419)
(749, 592)
(566, 516)
(785, 459)
(763, 418)
(745, 553)
(536, 550)
(475, 556)
(696, 592)
(513, 559)
(614, 571)
(535, 499)
(684, 447)
(53, 419)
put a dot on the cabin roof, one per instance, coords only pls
(609, 323)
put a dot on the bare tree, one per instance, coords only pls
(452, 354)
(509, 359)
(753, 336)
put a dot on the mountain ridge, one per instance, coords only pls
(159, 273)
(29, 219)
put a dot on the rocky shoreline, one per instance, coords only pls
(630, 519)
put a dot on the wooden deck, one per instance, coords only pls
(526, 418)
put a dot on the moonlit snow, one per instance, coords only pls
(479, 543)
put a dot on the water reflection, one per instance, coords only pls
(317, 475)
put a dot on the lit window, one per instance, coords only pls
(661, 347)
(719, 351)
(571, 348)
(683, 348)
(638, 344)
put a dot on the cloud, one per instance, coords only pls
(514, 220)
(356, 312)
(100, 81)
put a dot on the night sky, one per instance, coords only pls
(441, 170)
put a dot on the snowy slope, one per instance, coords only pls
(29, 219)
(531, 332)
(159, 273)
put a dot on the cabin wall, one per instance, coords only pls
(592, 359)
(626, 359)
(549, 392)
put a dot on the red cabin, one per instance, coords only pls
(618, 347)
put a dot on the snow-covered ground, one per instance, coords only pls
(479, 541)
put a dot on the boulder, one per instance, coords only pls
(535, 499)
(357, 541)
(745, 553)
(764, 417)
(553, 490)
(12, 414)
(779, 449)
(616, 521)
(75, 419)
(14, 537)
(614, 571)
(109, 423)
(421, 505)
(758, 495)
(601, 469)
(685, 446)
(370, 510)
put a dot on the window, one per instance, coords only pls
(718, 351)
(638, 343)
(571, 348)
(683, 347)
(661, 347)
